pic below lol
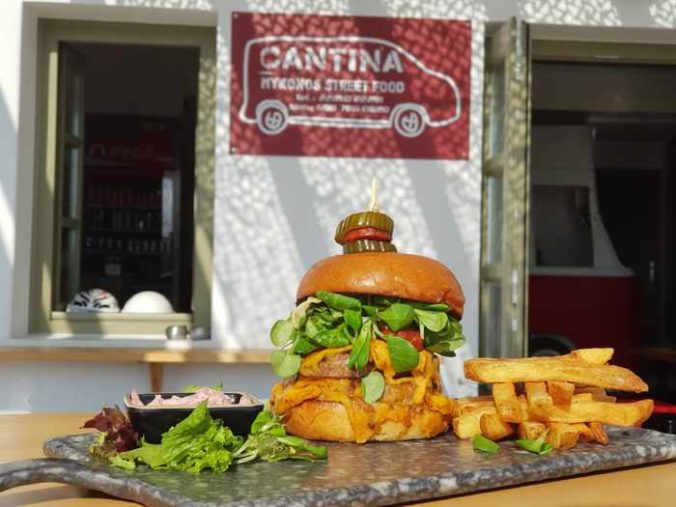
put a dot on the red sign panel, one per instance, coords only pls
(350, 86)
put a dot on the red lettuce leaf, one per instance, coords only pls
(117, 428)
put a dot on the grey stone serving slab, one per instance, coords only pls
(370, 474)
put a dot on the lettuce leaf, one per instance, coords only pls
(117, 433)
(196, 443)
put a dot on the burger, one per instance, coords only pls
(358, 355)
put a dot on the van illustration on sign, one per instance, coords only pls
(345, 82)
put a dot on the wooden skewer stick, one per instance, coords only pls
(373, 205)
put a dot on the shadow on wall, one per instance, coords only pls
(661, 13)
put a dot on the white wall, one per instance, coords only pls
(274, 215)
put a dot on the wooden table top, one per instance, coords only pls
(21, 437)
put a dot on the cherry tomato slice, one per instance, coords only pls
(410, 335)
(367, 233)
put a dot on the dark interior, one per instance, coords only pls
(631, 115)
(139, 113)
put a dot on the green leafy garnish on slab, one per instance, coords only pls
(483, 444)
(537, 446)
(268, 441)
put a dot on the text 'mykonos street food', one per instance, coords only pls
(358, 353)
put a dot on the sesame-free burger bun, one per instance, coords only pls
(389, 274)
(327, 420)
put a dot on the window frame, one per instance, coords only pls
(44, 263)
(504, 257)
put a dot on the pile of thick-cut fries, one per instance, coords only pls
(562, 397)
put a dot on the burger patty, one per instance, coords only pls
(334, 366)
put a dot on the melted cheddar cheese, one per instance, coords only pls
(427, 366)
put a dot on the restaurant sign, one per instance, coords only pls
(350, 86)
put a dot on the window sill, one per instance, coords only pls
(155, 355)
(115, 324)
(125, 350)
(121, 317)
(56, 351)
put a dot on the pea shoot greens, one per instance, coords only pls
(372, 386)
(268, 441)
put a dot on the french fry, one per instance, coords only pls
(494, 427)
(582, 397)
(599, 433)
(531, 430)
(542, 369)
(593, 356)
(534, 388)
(523, 404)
(561, 392)
(506, 402)
(562, 436)
(590, 432)
(597, 393)
(471, 403)
(565, 398)
(539, 400)
(474, 408)
(620, 414)
(468, 425)
(584, 431)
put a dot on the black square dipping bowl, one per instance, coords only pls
(151, 422)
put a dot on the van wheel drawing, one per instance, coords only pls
(272, 117)
(409, 120)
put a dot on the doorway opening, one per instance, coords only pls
(603, 213)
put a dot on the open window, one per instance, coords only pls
(124, 186)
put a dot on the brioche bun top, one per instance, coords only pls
(389, 274)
